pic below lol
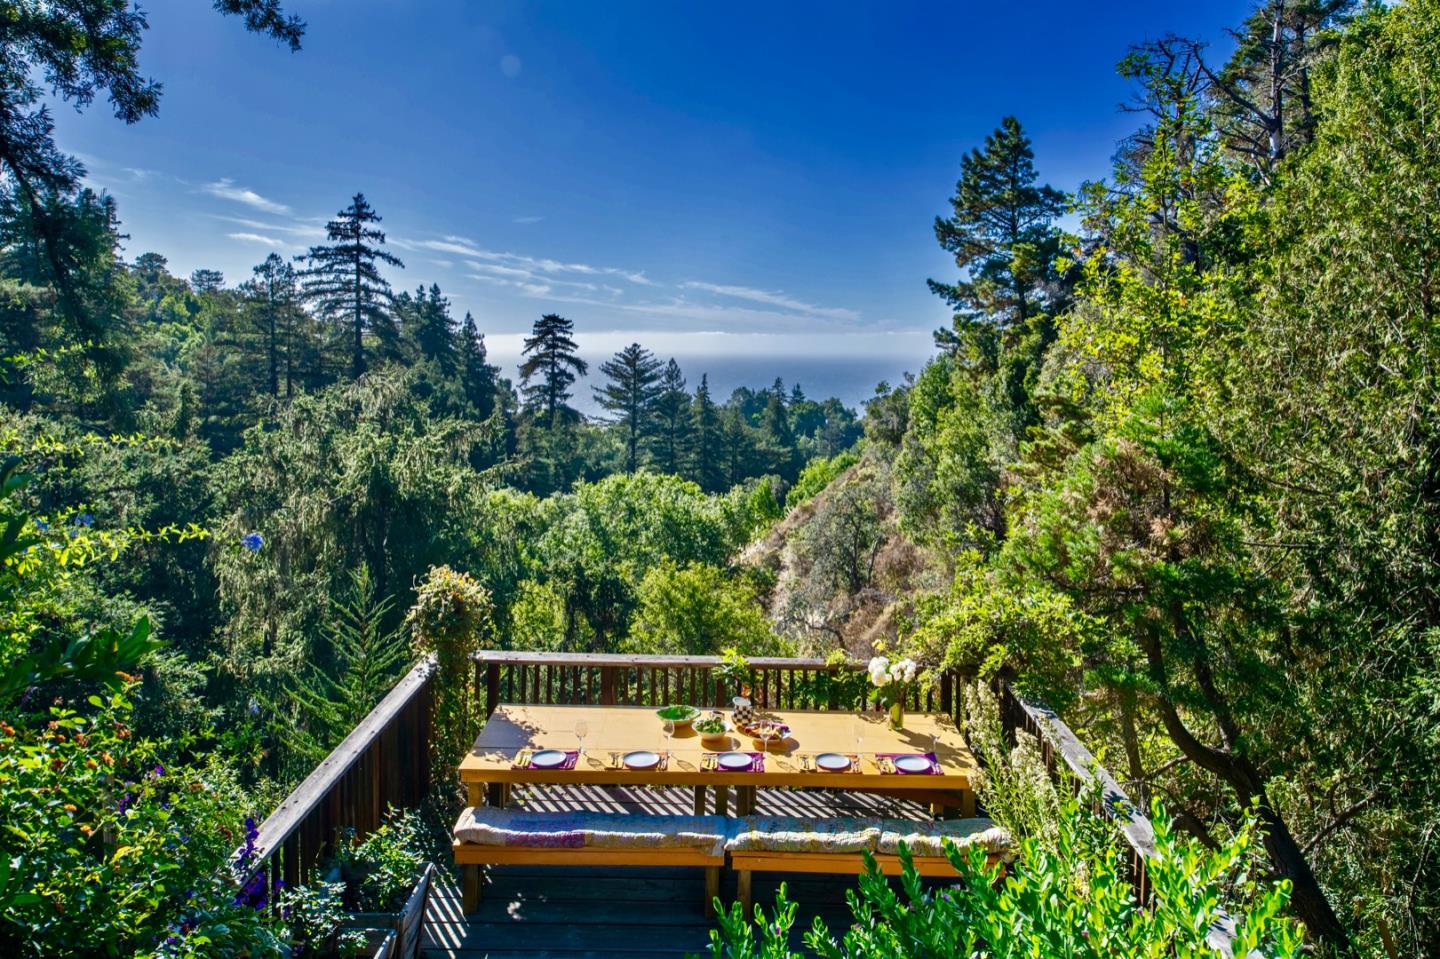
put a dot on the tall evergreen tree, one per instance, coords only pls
(343, 280)
(1002, 234)
(207, 281)
(431, 329)
(707, 449)
(478, 379)
(738, 446)
(272, 297)
(633, 376)
(550, 352)
(674, 431)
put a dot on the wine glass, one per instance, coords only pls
(860, 730)
(669, 728)
(582, 729)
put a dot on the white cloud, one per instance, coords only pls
(296, 228)
(520, 265)
(225, 189)
(768, 298)
(256, 238)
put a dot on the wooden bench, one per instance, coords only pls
(768, 844)
(490, 836)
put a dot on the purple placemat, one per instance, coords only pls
(934, 769)
(572, 756)
(757, 763)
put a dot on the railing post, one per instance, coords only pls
(492, 687)
(607, 685)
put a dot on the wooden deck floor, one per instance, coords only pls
(606, 913)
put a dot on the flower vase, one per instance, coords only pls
(897, 715)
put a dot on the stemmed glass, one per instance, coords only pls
(582, 729)
(669, 728)
(860, 730)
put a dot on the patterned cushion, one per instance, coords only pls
(794, 834)
(926, 839)
(489, 826)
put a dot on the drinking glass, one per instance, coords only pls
(860, 730)
(669, 732)
(582, 729)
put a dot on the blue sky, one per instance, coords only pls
(712, 178)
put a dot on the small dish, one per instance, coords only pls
(641, 759)
(913, 764)
(832, 762)
(548, 759)
(735, 762)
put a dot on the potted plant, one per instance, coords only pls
(735, 669)
(386, 880)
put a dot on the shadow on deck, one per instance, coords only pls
(607, 912)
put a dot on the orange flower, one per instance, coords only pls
(91, 764)
(107, 759)
(70, 807)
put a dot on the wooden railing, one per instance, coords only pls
(503, 676)
(384, 761)
(1067, 758)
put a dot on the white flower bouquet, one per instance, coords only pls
(892, 681)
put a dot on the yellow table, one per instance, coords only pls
(620, 729)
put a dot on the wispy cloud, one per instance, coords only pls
(298, 228)
(257, 238)
(520, 267)
(226, 189)
(769, 298)
(527, 219)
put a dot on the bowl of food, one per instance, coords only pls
(681, 716)
(767, 733)
(713, 728)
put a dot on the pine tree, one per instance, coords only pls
(207, 281)
(478, 379)
(777, 435)
(674, 432)
(365, 659)
(431, 329)
(707, 450)
(272, 297)
(1002, 234)
(738, 445)
(343, 280)
(550, 351)
(630, 395)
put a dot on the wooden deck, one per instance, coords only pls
(606, 913)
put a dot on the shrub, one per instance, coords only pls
(451, 615)
(1071, 901)
(378, 873)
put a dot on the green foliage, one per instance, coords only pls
(108, 837)
(452, 618)
(697, 610)
(379, 872)
(818, 474)
(1074, 900)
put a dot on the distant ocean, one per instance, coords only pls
(850, 377)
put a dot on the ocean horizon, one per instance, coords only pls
(846, 367)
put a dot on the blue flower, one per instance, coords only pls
(85, 519)
(42, 526)
(252, 542)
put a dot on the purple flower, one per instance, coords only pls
(252, 542)
(85, 519)
(42, 526)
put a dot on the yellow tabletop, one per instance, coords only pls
(620, 729)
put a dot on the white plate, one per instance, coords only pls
(548, 759)
(642, 759)
(832, 762)
(736, 761)
(913, 764)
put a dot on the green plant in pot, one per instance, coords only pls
(386, 878)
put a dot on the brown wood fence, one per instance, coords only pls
(384, 761)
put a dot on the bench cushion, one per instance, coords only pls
(797, 834)
(927, 839)
(852, 835)
(487, 825)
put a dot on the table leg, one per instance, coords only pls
(699, 800)
(722, 800)
(967, 804)
(495, 794)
